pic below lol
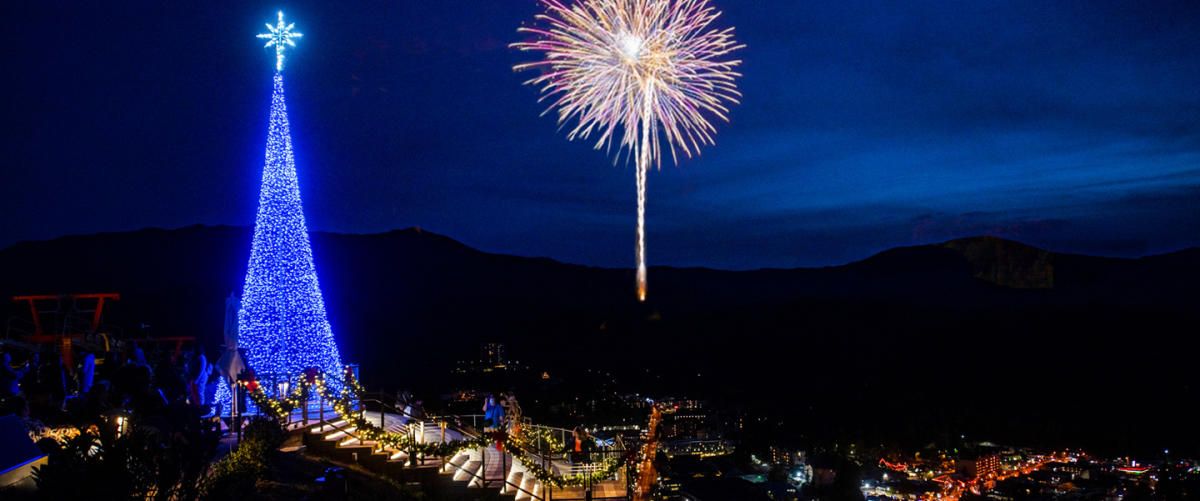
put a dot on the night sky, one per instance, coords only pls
(1073, 125)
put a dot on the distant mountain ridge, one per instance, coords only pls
(991, 321)
(211, 259)
(1002, 261)
(1007, 263)
(176, 280)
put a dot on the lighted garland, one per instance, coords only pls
(343, 405)
(608, 467)
(531, 435)
(282, 407)
(516, 444)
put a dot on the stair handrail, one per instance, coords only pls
(531, 495)
(380, 398)
(344, 429)
(546, 457)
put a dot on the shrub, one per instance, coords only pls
(265, 430)
(143, 463)
(235, 475)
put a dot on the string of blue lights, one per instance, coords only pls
(282, 324)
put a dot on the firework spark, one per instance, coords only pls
(635, 72)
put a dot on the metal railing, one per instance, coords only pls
(414, 424)
(561, 462)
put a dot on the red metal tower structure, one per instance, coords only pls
(63, 319)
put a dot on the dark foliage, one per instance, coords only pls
(145, 462)
(236, 475)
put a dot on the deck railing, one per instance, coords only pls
(561, 462)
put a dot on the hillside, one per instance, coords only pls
(967, 328)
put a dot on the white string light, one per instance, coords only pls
(282, 323)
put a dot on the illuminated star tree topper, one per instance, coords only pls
(281, 37)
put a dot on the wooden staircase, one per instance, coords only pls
(473, 474)
(482, 473)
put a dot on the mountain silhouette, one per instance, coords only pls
(982, 334)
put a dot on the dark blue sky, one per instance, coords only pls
(1073, 125)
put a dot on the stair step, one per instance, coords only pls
(340, 433)
(357, 441)
(514, 478)
(467, 472)
(451, 465)
(327, 427)
(480, 475)
(527, 486)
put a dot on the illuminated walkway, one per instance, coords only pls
(475, 468)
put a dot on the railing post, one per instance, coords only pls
(548, 465)
(304, 406)
(412, 448)
(362, 407)
(234, 414)
(587, 479)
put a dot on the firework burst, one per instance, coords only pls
(638, 74)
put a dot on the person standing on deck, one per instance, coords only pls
(493, 413)
(514, 413)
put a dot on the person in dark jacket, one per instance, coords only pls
(581, 446)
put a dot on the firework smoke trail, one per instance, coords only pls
(652, 68)
(643, 164)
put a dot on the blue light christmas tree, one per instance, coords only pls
(281, 323)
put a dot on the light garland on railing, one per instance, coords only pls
(514, 444)
(531, 435)
(280, 408)
(607, 468)
(528, 437)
